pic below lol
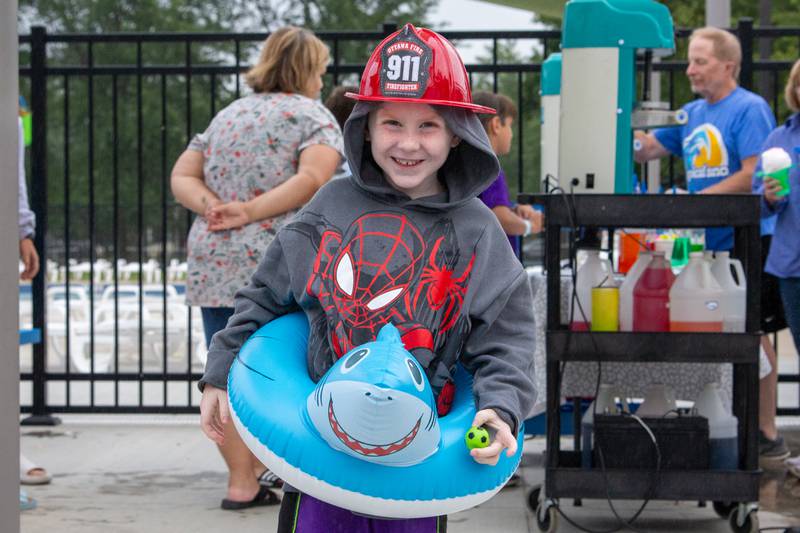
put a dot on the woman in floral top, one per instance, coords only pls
(261, 158)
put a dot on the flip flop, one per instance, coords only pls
(270, 480)
(263, 497)
(35, 476)
(26, 503)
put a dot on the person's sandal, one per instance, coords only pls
(270, 480)
(263, 497)
(35, 476)
(26, 503)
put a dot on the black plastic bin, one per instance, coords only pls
(682, 441)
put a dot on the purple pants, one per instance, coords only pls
(300, 513)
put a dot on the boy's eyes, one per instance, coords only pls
(391, 122)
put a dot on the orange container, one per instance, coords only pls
(630, 245)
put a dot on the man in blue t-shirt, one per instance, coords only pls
(727, 125)
(720, 145)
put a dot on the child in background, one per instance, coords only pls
(517, 220)
(403, 240)
(341, 106)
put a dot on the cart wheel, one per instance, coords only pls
(547, 519)
(723, 509)
(750, 524)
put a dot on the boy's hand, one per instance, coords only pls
(771, 189)
(227, 216)
(535, 217)
(214, 413)
(502, 439)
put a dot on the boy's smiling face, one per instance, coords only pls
(410, 142)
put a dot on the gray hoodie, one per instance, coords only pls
(439, 268)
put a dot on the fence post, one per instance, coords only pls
(38, 196)
(745, 32)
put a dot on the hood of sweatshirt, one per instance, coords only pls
(470, 167)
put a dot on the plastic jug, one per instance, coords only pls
(659, 401)
(651, 296)
(734, 300)
(592, 273)
(626, 290)
(606, 404)
(695, 299)
(723, 428)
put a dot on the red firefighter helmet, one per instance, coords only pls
(417, 66)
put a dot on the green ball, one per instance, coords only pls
(477, 437)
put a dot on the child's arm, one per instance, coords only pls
(267, 296)
(499, 350)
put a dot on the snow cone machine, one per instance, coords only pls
(595, 97)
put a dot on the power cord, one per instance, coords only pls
(573, 241)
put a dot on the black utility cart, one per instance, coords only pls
(733, 492)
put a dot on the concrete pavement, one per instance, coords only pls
(154, 474)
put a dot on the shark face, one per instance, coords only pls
(376, 404)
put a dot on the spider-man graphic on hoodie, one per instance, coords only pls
(383, 269)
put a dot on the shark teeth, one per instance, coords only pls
(366, 449)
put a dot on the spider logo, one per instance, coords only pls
(375, 274)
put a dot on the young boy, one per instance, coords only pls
(517, 220)
(403, 240)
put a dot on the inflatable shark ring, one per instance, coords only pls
(366, 437)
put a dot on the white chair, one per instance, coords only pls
(176, 271)
(79, 330)
(53, 271)
(151, 271)
(155, 297)
(77, 271)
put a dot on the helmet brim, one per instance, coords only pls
(464, 105)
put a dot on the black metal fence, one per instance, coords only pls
(112, 112)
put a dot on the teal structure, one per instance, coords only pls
(551, 75)
(628, 25)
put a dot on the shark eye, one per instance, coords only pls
(416, 374)
(353, 359)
